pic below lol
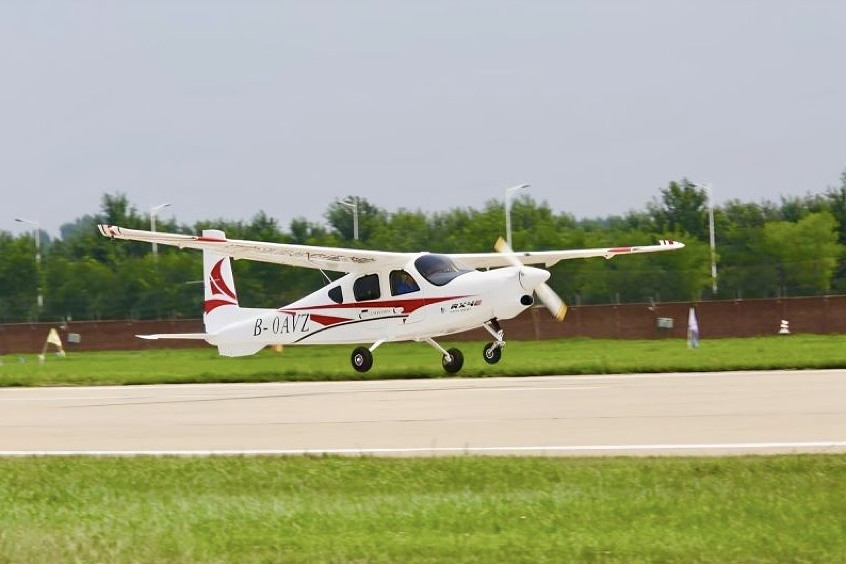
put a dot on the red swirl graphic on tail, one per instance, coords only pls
(222, 294)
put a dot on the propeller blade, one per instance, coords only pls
(547, 295)
(552, 301)
(503, 247)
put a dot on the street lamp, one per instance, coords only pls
(713, 243)
(153, 211)
(352, 204)
(508, 194)
(707, 188)
(36, 228)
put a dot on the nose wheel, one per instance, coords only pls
(492, 352)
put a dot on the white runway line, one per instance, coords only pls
(819, 446)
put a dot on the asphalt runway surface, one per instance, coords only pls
(643, 414)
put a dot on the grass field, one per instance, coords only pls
(425, 510)
(466, 509)
(416, 360)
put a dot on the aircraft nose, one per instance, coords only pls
(531, 278)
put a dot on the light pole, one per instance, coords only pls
(352, 204)
(707, 188)
(36, 229)
(508, 193)
(153, 211)
(713, 243)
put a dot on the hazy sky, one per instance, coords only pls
(227, 108)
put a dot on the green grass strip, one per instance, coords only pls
(462, 509)
(417, 360)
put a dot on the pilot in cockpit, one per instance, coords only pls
(402, 283)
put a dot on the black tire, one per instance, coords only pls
(492, 353)
(362, 359)
(454, 361)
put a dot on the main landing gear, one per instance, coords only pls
(452, 359)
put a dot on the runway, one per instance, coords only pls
(644, 414)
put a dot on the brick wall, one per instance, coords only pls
(740, 318)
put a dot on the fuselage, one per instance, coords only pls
(428, 297)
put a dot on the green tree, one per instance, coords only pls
(682, 209)
(745, 269)
(836, 204)
(18, 278)
(807, 252)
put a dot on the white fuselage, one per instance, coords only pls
(337, 315)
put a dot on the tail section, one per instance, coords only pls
(227, 325)
(220, 307)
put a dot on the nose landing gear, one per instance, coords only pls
(492, 352)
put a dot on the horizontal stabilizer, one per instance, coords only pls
(195, 336)
(239, 349)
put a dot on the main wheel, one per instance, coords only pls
(454, 361)
(492, 353)
(362, 359)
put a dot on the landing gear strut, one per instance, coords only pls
(492, 352)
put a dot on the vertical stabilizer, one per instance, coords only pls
(220, 307)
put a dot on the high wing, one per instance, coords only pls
(326, 258)
(550, 258)
(358, 260)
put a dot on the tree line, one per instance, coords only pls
(794, 247)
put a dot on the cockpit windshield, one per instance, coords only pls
(440, 269)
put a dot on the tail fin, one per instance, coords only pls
(220, 307)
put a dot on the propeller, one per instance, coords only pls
(546, 295)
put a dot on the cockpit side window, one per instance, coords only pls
(402, 283)
(439, 269)
(367, 288)
(336, 295)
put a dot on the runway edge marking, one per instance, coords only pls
(821, 445)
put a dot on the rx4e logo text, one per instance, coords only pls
(462, 306)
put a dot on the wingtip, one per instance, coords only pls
(107, 230)
(670, 243)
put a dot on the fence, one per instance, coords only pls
(737, 318)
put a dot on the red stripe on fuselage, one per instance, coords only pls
(408, 305)
(327, 320)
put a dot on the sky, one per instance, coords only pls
(226, 109)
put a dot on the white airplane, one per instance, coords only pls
(382, 297)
